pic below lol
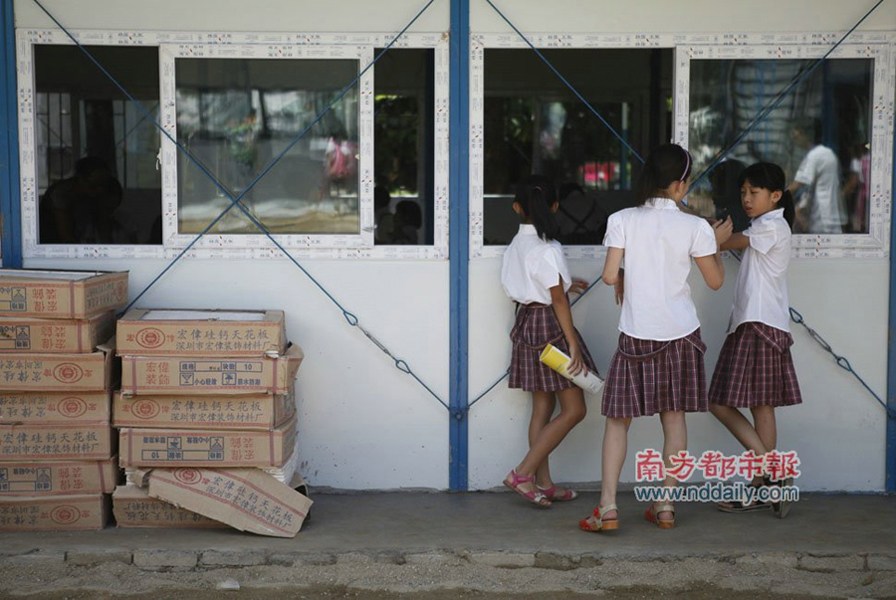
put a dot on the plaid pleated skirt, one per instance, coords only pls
(755, 368)
(647, 377)
(536, 326)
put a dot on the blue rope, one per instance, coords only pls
(567, 83)
(798, 78)
(352, 320)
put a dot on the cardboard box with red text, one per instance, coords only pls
(40, 372)
(245, 499)
(134, 507)
(56, 441)
(61, 294)
(257, 411)
(29, 478)
(206, 447)
(203, 333)
(32, 334)
(54, 513)
(155, 375)
(54, 407)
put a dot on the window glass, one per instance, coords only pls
(236, 115)
(534, 123)
(96, 148)
(404, 146)
(819, 134)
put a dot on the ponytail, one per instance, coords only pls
(536, 197)
(786, 202)
(666, 164)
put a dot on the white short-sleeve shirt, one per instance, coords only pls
(760, 293)
(532, 266)
(659, 241)
(820, 172)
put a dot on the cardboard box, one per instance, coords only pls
(154, 375)
(61, 294)
(56, 441)
(257, 411)
(245, 499)
(134, 507)
(164, 332)
(54, 407)
(58, 477)
(31, 334)
(64, 372)
(206, 448)
(54, 513)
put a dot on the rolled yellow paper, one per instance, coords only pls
(559, 360)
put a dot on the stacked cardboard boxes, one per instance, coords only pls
(57, 448)
(207, 405)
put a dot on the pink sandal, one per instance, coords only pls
(513, 481)
(564, 495)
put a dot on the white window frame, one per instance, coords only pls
(240, 45)
(879, 46)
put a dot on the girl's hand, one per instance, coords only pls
(722, 230)
(578, 286)
(576, 364)
(619, 288)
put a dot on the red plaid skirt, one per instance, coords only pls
(755, 368)
(537, 326)
(650, 376)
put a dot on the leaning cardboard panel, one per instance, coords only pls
(245, 499)
(54, 513)
(206, 448)
(56, 441)
(54, 407)
(134, 507)
(60, 372)
(30, 478)
(32, 334)
(205, 333)
(256, 411)
(61, 294)
(154, 375)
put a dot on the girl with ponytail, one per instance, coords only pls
(535, 275)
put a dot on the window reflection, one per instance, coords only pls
(818, 133)
(235, 116)
(96, 149)
(534, 124)
(404, 147)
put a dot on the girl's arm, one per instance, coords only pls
(712, 270)
(737, 241)
(564, 316)
(612, 265)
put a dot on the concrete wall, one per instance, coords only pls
(363, 424)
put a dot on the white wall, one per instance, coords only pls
(365, 425)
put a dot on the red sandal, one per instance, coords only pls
(596, 522)
(555, 494)
(652, 515)
(513, 481)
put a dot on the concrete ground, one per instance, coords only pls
(414, 543)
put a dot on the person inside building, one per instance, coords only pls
(81, 209)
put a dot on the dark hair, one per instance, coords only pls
(666, 164)
(535, 197)
(771, 177)
(809, 127)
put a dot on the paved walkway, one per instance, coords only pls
(846, 544)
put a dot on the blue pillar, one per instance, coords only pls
(891, 343)
(10, 205)
(459, 240)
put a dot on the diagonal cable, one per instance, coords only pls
(236, 200)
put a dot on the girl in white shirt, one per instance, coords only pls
(658, 366)
(755, 369)
(535, 275)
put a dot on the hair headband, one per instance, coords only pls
(687, 164)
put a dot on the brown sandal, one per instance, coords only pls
(652, 515)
